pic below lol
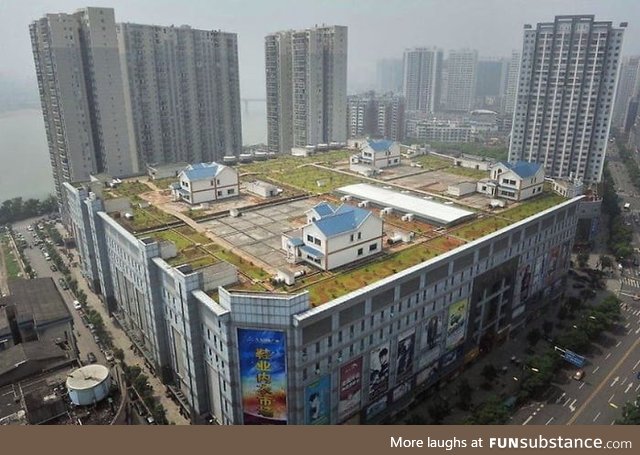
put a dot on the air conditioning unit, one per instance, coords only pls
(363, 204)
(407, 217)
(345, 198)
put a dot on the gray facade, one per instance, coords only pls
(461, 67)
(567, 84)
(78, 72)
(183, 93)
(422, 84)
(628, 90)
(378, 116)
(306, 83)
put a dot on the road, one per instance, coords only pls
(84, 338)
(612, 374)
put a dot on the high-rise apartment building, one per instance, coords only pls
(422, 79)
(183, 94)
(306, 81)
(461, 79)
(389, 75)
(82, 97)
(628, 89)
(566, 88)
(511, 85)
(376, 116)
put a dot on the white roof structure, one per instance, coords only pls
(87, 377)
(430, 211)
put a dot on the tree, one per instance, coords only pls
(606, 262)
(583, 259)
(465, 394)
(533, 337)
(489, 372)
(630, 414)
(118, 354)
(438, 410)
(547, 327)
(491, 412)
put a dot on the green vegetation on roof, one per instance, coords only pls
(10, 261)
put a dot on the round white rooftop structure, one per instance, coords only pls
(88, 384)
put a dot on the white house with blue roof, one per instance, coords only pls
(516, 181)
(377, 154)
(335, 236)
(206, 182)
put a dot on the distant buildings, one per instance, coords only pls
(628, 92)
(82, 95)
(511, 85)
(389, 75)
(443, 131)
(306, 79)
(423, 79)
(183, 93)
(461, 69)
(565, 96)
(378, 116)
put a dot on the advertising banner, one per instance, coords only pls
(317, 399)
(456, 323)
(263, 376)
(404, 355)
(377, 407)
(431, 340)
(551, 265)
(401, 390)
(350, 388)
(379, 370)
(524, 279)
(537, 273)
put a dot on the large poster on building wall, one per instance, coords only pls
(428, 375)
(379, 370)
(317, 399)
(405, 354)
(431, 340)
(551, 265)
(263, 376)
(456, 323)
(537, 273)
(350, 388)
(524, 281)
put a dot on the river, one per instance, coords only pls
(24, 156)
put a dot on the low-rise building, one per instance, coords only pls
(377, 154)
(263, 189)
(335, 236)
(206, 182)
(515, 181)
(442, 131)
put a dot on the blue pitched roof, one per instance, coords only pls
(524, 169)
(324, 209)
(345, 219)
(381, 145)
(202, 171)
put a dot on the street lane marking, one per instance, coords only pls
(528, 420)
(638, 388)
(608, 355)
(628, 387)
(596, 369)
(615, 381)
(599, 388)
(638, 331)
(613, 405)
(618, 343)
(636, 365)
(612, 397)
(562, 396)
(549, 421)
(581, 385)
(624, 380)
(627, 326)
(572, 405)
(596, 417)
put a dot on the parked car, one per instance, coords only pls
(53, 268)
(151, 420)
(108, 355)
(77, 305)
(578, 375)
(91, 357)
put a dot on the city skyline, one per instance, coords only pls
(366, 45)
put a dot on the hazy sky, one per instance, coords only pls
(377, 28)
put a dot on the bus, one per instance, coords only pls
(627, 207)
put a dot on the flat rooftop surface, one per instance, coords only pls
(429, 210)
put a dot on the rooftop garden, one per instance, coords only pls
(474, 174)
(245, 267)
(147, 218)
(350, 280)
(481, 227)
(432, 163)
(129, 189)
(533, 206)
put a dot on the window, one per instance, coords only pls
(219, 193)
(359, 235)
(373, 247)
(309, 238)
(231, 191)
(359, 251)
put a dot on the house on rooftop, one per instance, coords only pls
(377, 154)
(206, 182)
(515, 181)
(334, 236)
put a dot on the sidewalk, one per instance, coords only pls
(122, 341)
